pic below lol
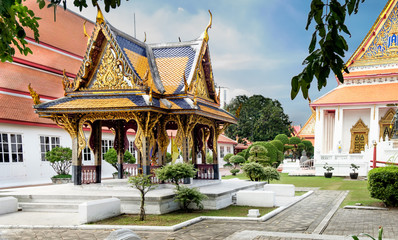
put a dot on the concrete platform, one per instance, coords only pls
(66, 197)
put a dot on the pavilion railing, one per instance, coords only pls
(89, 174)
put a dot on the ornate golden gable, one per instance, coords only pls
(359, 137)
(385, 123)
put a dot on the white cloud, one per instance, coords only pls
(180, 9)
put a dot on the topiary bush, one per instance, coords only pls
(209, 158)
(175, 172)
(227, 157)
(185, 196)
(383, 184)
(254, 171)
(278, 144)
(283, 138)
(111, 157)
(234, 171)
(258, 154)
(236, 160)
(128, 158)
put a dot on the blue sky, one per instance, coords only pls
(256, 46)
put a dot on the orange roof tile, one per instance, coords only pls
(51, 59)
(17, 78)
(66, 33)
(19, 109)
(360, 94)
(224, 139)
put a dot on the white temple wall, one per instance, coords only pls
(350, 118)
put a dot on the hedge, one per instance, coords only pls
(383, 184)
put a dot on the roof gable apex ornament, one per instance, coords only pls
(205, 35)
(34, 95)
(100, 17)
(186, 86)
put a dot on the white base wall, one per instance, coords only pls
(32, 170)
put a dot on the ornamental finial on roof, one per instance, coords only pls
(186, 89)
(145, 36)
(205, 35)
(35, 96)
(100, 17)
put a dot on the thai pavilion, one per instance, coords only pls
(124, 84)
(358, 115)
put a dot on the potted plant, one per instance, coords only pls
(354, 175)
(60, 160)
(329, 169)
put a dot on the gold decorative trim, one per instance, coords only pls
(359, 137)
(385, 124)
(34, 95)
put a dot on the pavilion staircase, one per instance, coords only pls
(52, 203)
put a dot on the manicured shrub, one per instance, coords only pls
(236, 160)
(383, 184)
(283, 138)
(254, 171)
(227, 157)
(227, 165)
(234, 171)
(278, 144)
(294, 140)
(60, 159)
(168, 157)
(209, 158)
(128, 158)
(185, 196)
(258, 154)
(243, 153)
(271, 174)
(175, 172)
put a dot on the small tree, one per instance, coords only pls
(111, 157)
(60, 159)
(271, 174)
(236, 160)
(185, 196)
(175, 172)
(254, 171)
(295, 141)
(143, 184)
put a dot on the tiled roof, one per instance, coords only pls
(370, 73)
(360, 94)
(19, 109)
(224, 139)
(16, 77)
(173, 63)
(65, 33)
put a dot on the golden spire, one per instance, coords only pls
(186, 84)
(100, 17)
(205, 34)
(145, 36)
(35, 96)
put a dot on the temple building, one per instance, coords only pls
(358, 114)
(152, 79)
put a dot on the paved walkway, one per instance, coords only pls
(298, 222)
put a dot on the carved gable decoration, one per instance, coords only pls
(385, 123)
(381, 43)
(359, 137)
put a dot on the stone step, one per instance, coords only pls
(49, 207)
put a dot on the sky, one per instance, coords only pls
(256, 46)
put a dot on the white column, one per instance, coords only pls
(374, 125)
(318, 133)
(338, 133)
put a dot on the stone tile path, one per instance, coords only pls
(302, 218)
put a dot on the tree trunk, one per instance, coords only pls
(142, 209)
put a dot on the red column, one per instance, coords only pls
(374, 155)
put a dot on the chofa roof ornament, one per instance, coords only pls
(205, 35)
(100, 16)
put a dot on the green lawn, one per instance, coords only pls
(173, 218)
(358, 188)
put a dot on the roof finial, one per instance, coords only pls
(195, 100)
(35, 96)
(100, 17)
(205, 34)
(145, 36)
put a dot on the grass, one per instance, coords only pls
(173, 218)
(358, 188)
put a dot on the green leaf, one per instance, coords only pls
(313, 43)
